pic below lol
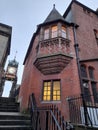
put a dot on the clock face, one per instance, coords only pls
(11, 70)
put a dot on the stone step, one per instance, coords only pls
(9, 104)
(9, 109)
(6, 100)
(15, 122)
(13, 116)
(19, 127)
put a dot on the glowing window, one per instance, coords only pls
(56, 90)
(51, 91)
(54, 31)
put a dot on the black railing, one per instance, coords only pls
(47, 118)
(82, 111)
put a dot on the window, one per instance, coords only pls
(86, 11)
(63, 32)
(54, 31)
(91, 72)
(83, 71)
(46, 33)
(51, 90)
(96, 35)
(95, 93)
(86, 91)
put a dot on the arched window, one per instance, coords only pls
(91, 72)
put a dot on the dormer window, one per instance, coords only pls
(46, 33)
(54, 31)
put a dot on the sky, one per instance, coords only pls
(24, 16)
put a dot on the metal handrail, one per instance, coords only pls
(46, 118)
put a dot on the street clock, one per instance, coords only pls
(11, 72)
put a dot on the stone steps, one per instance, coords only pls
(11, 118)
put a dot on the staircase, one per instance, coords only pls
(11, 118)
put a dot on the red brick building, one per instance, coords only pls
(50, 65)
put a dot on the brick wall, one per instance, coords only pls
(87, 22)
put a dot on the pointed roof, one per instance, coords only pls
(13, 63)
(54, 16)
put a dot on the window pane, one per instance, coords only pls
(45, 88)
(46, 34)
(58, 97)
(91, 72)
(47, 91)
(56, 90)
(44, 97)
(95, 93)
(54, 98)
(48, 98)
(54, 31)
(64, 32)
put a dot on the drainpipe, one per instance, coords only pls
(76, 45)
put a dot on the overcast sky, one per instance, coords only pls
(24, 16)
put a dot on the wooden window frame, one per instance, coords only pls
(51, 92)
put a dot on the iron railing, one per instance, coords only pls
(47, 118)
(82, 111)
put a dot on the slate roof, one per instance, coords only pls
(54, 16)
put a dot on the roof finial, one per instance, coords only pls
(15, 55)
(54, 6)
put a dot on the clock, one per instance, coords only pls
(11, 70)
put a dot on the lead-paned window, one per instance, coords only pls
(63, 32)
(51, 90)
(46, 33)
(54, 31)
